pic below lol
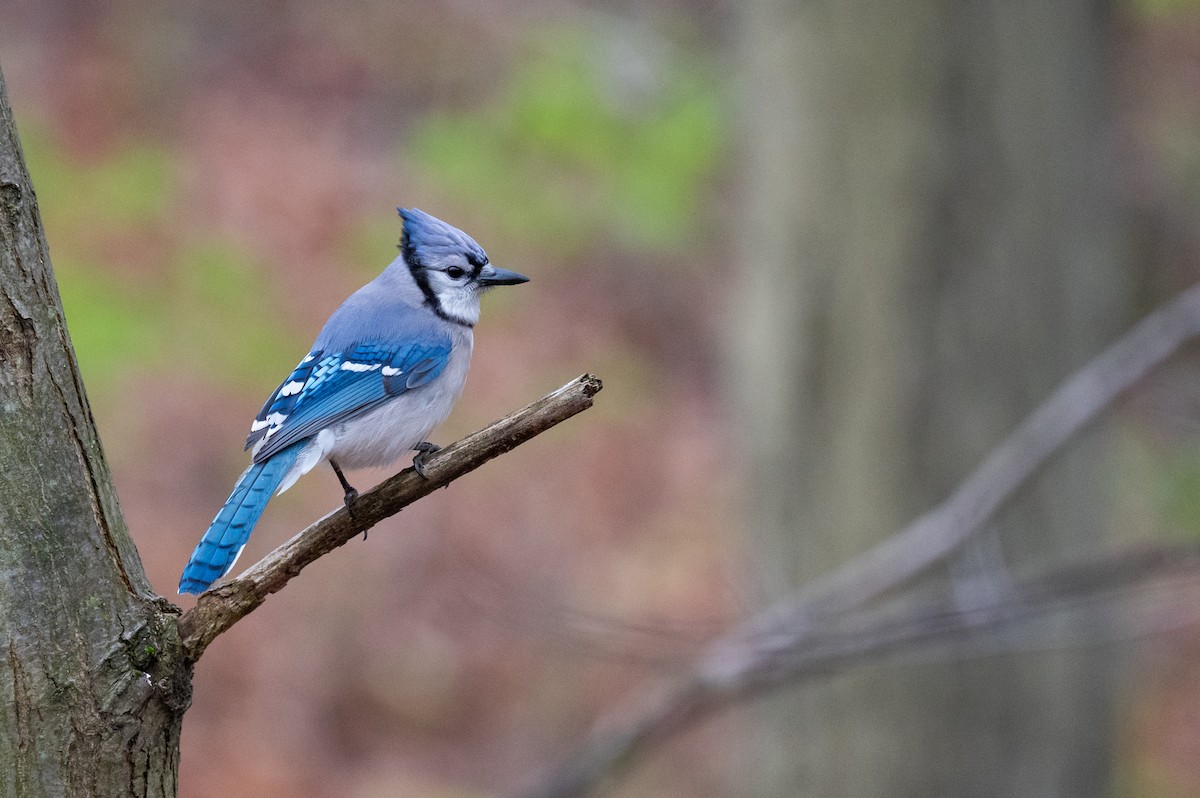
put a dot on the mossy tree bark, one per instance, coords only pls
(92, 686)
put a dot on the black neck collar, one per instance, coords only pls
(421, 277)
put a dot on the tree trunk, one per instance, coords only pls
(933, 240)
(92, 686)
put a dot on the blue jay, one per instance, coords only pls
(385, 370)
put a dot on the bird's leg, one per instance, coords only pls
(423, 449)
(351, 494)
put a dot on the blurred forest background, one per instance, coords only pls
(823, 255)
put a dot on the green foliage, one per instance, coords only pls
(115, 324)
(1163, 8)
(127, 187)
(1177, 489)
(221, 321)
(188, 307)
(367, 243)
(582, 144)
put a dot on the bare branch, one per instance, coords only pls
(734, 665)
(225, 605)
(867, 634)
(1074, 405)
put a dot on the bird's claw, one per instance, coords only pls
(350, 498)
(423, 449)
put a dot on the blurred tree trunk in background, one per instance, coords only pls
(92, 686)
(932, 239)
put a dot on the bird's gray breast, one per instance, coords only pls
(385, 434)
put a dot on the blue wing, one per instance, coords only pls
(330, 387)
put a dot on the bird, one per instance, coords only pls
(384, 371)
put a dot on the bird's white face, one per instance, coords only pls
(453, 279)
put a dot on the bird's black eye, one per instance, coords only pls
(454, 272)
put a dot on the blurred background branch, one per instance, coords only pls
(1146, 591)
(792, 639)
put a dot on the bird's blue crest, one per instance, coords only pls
(425, 238)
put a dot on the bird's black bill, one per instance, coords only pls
(490, 275)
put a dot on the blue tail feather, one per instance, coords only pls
(229, 531)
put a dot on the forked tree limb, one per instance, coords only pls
(1075, 404)
(223, 606)
(775, 645)
(1090, 590)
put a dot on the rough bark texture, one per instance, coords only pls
(92, 684)
(933, 241)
